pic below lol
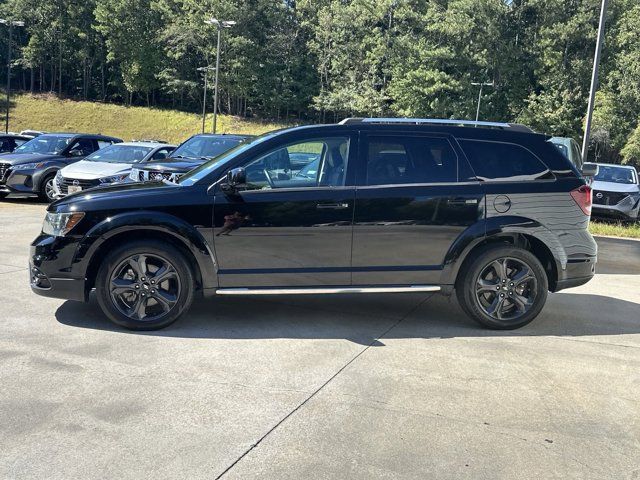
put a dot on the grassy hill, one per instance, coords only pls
(48, 113)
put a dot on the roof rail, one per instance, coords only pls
(515, 127)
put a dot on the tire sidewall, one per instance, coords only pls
(168, 252)
(43, 188)
(466, 287)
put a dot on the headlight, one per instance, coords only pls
(28, 166)
(113, 178)
(59, 224)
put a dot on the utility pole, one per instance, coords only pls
(11, 24)
(594, 79)
(485, 84)
(204, 96)
(220, 24)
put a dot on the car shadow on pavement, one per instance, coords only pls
(361, 318)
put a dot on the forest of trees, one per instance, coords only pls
(321, 60)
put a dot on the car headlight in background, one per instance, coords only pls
(28, 166)
(59, 224)
(114, 178)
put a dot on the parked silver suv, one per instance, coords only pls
(616, 192)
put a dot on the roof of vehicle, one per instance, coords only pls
(145, 144)
(224, 135)
(15, 135)
(628, 167)
(90, 135)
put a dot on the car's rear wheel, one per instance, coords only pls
(503, 287)
(145, 285)
(47, 192)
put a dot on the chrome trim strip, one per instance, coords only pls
(328, 290)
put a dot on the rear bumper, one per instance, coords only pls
(578, 272)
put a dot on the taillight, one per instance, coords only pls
(582, 196)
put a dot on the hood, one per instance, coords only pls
(86, 170)
(177, 165)
(18, 158)
(614, 187)
(119, 194)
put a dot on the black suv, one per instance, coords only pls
(32, 167)
(190, 154)
(491, 210)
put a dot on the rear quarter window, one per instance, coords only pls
(503, 162)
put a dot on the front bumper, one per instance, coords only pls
(19, 181)
(50, 269)
(627, 209)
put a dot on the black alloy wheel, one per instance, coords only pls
(502, 287)
(145, 285)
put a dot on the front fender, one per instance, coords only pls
(495, 227)
(140, 221)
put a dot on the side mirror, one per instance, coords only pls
(589, 169)
(235, 178)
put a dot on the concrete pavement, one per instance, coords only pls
(375, 386)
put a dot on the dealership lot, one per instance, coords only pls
(397, 386)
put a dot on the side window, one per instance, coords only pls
(18, 142)
(312, 163)
(405, 160)
(6, 145)
(161, 154)
(82, 147)
(104, 143)
(505, 162)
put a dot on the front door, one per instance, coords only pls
(292, 223)
(414, 198)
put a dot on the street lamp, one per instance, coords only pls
(485, 84)
(594, 80)
(220, 24)
(11, 23)
(206, 71)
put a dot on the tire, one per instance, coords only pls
(3, 195)
(47, 193)
(502, 301)
(152, 304)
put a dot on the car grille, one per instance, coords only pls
(64, 184)
(608, 198)
(4, 172)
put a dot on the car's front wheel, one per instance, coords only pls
(145, 285)
(503, 287)
(47, 191)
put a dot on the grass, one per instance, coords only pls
(48, 113)
(615, 229)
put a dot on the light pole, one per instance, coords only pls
(204, 96)
(594, 80)
(220, 24)
(485, 84)
(11, 24)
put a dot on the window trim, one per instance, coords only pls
(493, 180)
(365, 139)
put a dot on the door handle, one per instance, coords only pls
(332, 206)
(462, 201)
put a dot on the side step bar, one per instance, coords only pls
(315, 290)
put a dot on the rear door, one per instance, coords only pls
(415, 195)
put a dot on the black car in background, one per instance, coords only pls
(192, 153)
(10, 141)
(32, 167)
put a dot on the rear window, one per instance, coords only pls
(504, 162)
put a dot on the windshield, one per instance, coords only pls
(615, 174)
(203, 170)
(206, 147)
(120, 154)
(52, 144)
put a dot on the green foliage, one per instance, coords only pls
(325, 59)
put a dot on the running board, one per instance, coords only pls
(314, 290)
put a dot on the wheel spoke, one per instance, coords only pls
(121, 285)
(522, 303)
(139, 265)
(500, 267)
(139, 309)
(483, 286)
(166, 272)
(523, 276)
(495, 309)
(165, 299)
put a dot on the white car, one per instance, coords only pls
(109, 165)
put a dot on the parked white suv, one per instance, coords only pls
(108, 165)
